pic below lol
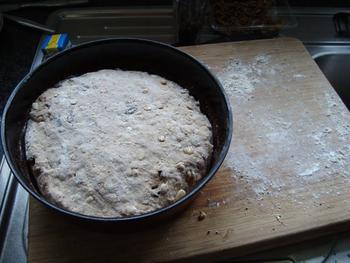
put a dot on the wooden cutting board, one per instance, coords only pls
(286, 177)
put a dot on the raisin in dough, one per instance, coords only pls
(117, 143)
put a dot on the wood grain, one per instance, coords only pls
(241, 218)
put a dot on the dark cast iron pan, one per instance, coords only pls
(126, 54)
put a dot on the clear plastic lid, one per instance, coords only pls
(231, 17)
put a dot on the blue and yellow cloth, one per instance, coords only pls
(54, 43)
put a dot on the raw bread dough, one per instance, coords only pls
(117, 143)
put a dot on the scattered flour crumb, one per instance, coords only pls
(237, 78)
(298, 76)
(310, 171)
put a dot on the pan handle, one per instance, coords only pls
(29, 23)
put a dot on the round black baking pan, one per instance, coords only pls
(126, 54)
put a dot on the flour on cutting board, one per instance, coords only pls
(280, 136)
(240, 79)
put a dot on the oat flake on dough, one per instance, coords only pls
(117, 143)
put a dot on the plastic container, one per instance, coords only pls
(259, 17)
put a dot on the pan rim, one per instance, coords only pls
(210, 174)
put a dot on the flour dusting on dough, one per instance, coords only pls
(117, 143)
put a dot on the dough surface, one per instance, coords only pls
(117, 143)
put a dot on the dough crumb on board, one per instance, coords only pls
(117, 143)
(202, 215)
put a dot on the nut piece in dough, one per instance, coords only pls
(181, 193)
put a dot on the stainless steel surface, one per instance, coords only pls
(33, 24)
(331, 52)
(315, 26)
(335, 64)
(13, 218)
(45, 3)
(320, 49)
(86, 24)
(29, 23)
